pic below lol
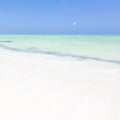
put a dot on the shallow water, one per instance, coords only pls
(95, 47)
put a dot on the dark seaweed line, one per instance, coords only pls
(61, 54)
(6, 41)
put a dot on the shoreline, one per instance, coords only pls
(76, 57)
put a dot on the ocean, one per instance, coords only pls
(104, 48)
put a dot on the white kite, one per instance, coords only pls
(74, 24)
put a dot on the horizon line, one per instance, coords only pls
(52, 34)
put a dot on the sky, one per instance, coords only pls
(59, 16)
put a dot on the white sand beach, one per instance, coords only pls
(43, 87)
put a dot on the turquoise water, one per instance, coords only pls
(97, 47)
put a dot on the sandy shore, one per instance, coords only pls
(43, 87)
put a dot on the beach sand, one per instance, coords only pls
(43, 87)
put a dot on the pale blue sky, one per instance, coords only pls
(58, 16)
